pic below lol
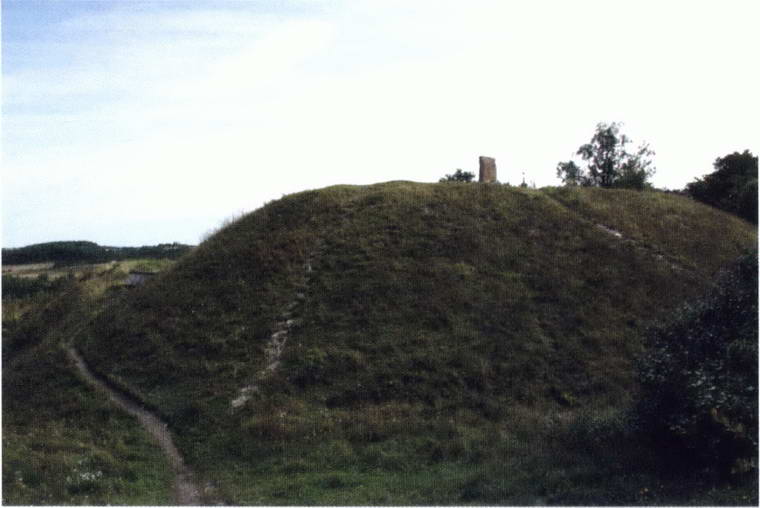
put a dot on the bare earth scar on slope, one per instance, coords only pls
(282, 328)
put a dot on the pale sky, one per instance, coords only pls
(138, 122)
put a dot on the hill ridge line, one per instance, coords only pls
(658, 254)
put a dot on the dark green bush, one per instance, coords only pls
(731, 187)
(458, 176)
(699, 376)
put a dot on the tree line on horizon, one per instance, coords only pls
(607, 163)
(67, 253)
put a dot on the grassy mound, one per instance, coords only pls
(444, 333)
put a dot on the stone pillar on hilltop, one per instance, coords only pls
(487, 169)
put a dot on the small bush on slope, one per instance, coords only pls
(699, 375)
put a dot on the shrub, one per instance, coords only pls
(699, 376)
(458, 176)
(731, 187)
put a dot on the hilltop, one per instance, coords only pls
(410, 343)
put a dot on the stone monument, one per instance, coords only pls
(487, 169)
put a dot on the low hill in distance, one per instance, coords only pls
(407, 343)
(81, 252)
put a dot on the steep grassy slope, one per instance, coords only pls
(443, 335)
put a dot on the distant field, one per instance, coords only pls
(25, 286)
(48, 269)
(27, 269)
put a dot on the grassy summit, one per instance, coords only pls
(442, 336)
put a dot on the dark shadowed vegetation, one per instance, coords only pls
(24, 287)
(731, 187)
(698, 377)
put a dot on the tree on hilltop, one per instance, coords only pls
(608, 163)
(732, 187)
(458, 176)
(571, 174)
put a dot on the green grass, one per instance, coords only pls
(450, 336)
(671, 224)
(63, 442)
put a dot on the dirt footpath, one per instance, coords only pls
(186, 492)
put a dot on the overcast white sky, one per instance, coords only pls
(139, 122)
